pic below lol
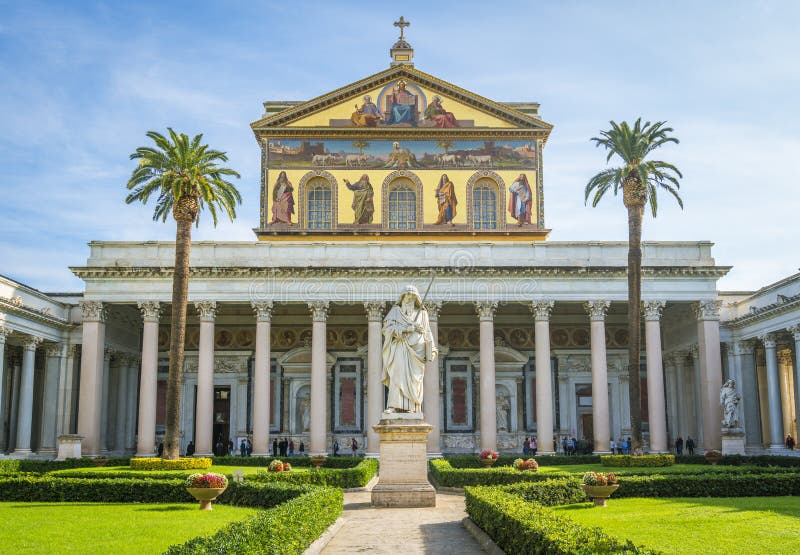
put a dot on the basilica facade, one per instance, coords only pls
(398, 179)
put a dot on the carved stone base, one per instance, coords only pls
(733, 441)
(69, 447)
(403, 474)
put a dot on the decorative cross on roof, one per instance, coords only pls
(402, 23)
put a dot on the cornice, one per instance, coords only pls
(10, 307)
(221, 272)
(765, 312)
(401, 133)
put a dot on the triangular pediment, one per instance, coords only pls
(401, 97)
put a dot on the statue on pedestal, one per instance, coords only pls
(729, 399)
(407, 345)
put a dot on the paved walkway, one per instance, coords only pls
(407, 531)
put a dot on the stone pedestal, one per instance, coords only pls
(732, 441)
(403, 475)
(69, 447)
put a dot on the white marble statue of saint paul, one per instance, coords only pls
(407, 345)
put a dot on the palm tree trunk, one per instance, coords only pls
(180, 291)
(635, 211)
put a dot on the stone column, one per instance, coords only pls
(672, 407)
(656, 410)
(148, 382)
(679, 361)
(743, 352)
(65, 391)
(563, 424)
(431, 397)
(105, 420)
(374, 369)
(261, 393)
(131, 404)
(541, 309)
(319, 371)
(488, 386)
(696, 391)
(707, 313)
(787, 387)
(23, 447)
(47, 434)
(773, 393)
(600, 420)
(4, 333)
(795, 331)
(122, 403)
(204, 414)
(91, 385)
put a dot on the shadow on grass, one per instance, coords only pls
(168, 508)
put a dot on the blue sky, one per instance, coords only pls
(83, 81)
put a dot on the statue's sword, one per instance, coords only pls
(428, 290)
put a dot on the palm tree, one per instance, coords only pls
(360, 145)
(187, 178)
(639, 179)
(445, 145)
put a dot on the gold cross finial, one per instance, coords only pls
(402, 23)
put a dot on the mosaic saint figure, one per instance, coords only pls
(520, 200)
(282, 200)
(363, 204)
(438, 115)
(407, 345)
(368, 115)
(402, 105)
(446, 200)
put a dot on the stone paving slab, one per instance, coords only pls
(431, 531)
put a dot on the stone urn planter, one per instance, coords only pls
(318, 460)
(487, 462)
(205, 496)
(713, 457)
(599, 494)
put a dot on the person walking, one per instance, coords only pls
(790, 443)
(526, 447)
(291, 447)
(335, 447)
(249, 447)
(302, 448)
(275, 447)
(354, 446)
(679, 446)
(190, 449)
(534, 447)
(690, 445)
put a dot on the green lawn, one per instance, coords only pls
(116, 528)
(724, 525)
(228, 470)
(674, 469)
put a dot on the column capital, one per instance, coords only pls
(433, 308)
(541, 309)
(31, 342)
(72, 350)
(744, 347)
(93, 311)
(263, 310)
(319, 310)
(151, 310)
(694, 351)
(795, 331)
(374, 311)
(207, 310)
(597, 309)
(785, 357)
(769, 340)
(706, 310)
(652, 310)
(4, 333)
(55, 350)
(486, 310)
(123, 359)
(108, 352)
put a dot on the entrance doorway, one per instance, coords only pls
(222, 416)
(587, 427)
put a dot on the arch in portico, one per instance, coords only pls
(295, 368)
(509, 368)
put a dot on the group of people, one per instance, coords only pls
(529, 446)
(688, 444)
(574, 446)
(353, 447)
(285, 447)
(620, 446)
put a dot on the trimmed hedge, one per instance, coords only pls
(298, 461)
(287, 529)
(532, 528)
(638, 461)
(356, 477)
(13, 466)
(472, 461)
(445, 475)
(710, 485)
(185, 463)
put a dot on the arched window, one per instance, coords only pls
(403, 207)
(484, 206)
(319, 204)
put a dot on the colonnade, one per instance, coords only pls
(92, 385)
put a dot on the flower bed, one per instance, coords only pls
(210, 480)
(523, 465)
(637, 461)
(297, 461)
(356, 477)
(445, 475)
(186, 463)
(471, 461)
(14, 466)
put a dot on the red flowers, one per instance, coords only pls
(210, 480)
